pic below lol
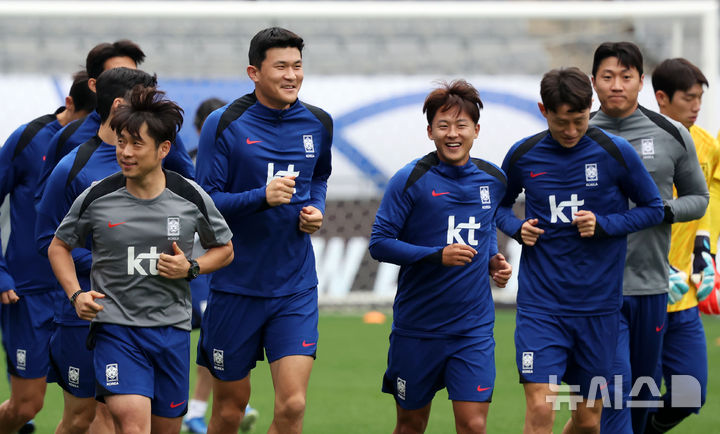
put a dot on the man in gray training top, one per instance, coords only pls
(668, 153)
(141, 220)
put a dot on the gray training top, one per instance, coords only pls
(128, 235)
(668, 152)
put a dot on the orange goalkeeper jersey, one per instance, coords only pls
(682, 241)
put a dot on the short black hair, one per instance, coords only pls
(147, 105)
(458, 94)
(568, 86)
(676, 74)
(272, 37)
(96, 58)
(627, 53)
(83, 98)
(204, 109)
(116, 83)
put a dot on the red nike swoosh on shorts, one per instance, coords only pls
(439, 194)
(535, 175)
(482, 389)
(658, 329)
(252, 142)
(112, 225)
(306, 344)
(173, 405)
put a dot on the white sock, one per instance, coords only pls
(196, 408)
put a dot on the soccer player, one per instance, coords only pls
(265, 161)
(679, 87)
(436, 221)
(27, 286)
(92, 161)
(667, 152)
(577, 182)
(140, 221)
(104, 56)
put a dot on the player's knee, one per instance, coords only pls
(77, 425)
(474, 425)
(410, 426)
(228, 413)
(587, 423)
(292, 407)
(27, 408)
(539, 413)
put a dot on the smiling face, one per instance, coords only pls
(617, 87)
(567, 127)
(278, 80)
(685, 105)
(453, 132)
(139, 156)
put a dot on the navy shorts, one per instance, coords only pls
(27, 327)
(236, 328)
(147, 361)
(199, 290)
(419, 367)
(71, 363)
(577, 350)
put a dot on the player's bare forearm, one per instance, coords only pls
(311, 219)
(61, 260)
(216, 258)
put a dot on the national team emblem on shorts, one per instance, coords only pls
(73, 376)
(591, 174)
(218, 360)
(401, 384)
(527, 362)
(111, 374)
(648, 148)
(173, 226)
(308, 143)
(485, 196)
(20, 355)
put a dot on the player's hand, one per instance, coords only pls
(530, 232)
(9, 297)
(173, 266)
(311, 219)
(85, 305)
(585, 221)
(457, 254)
(703, 268)
(280, 190)
(677, 285)
(500, 270)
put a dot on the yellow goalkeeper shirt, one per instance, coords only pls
(682, 241)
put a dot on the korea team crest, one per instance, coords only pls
(112, 374)
(173, 228)
(20, 356)
(309, 145)
(401, 388)
(218, 360)
(485, 196)
(73, 376)
(527, 362)
(591, 175)
(648, 148)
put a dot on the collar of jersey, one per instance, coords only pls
(266, 111)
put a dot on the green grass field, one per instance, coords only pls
(344, 394)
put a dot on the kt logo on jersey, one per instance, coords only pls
(137, 263)
(454, 233)
(557, 210)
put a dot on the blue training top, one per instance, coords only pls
(427, 206)
(564, 273)
(243, 146)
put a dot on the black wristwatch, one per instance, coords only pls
(193, 271)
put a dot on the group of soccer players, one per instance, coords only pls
(116, 209)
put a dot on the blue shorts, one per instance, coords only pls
(577, 350)
(27, 327)
(236, 328)
(419, 367)
(684, 352)
(199, 290)
(71, 363)
(147, 361)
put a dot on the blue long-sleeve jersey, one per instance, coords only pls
(243, 146)
(564, 273)
(427, 206)
(23, 268)
(82, 130)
